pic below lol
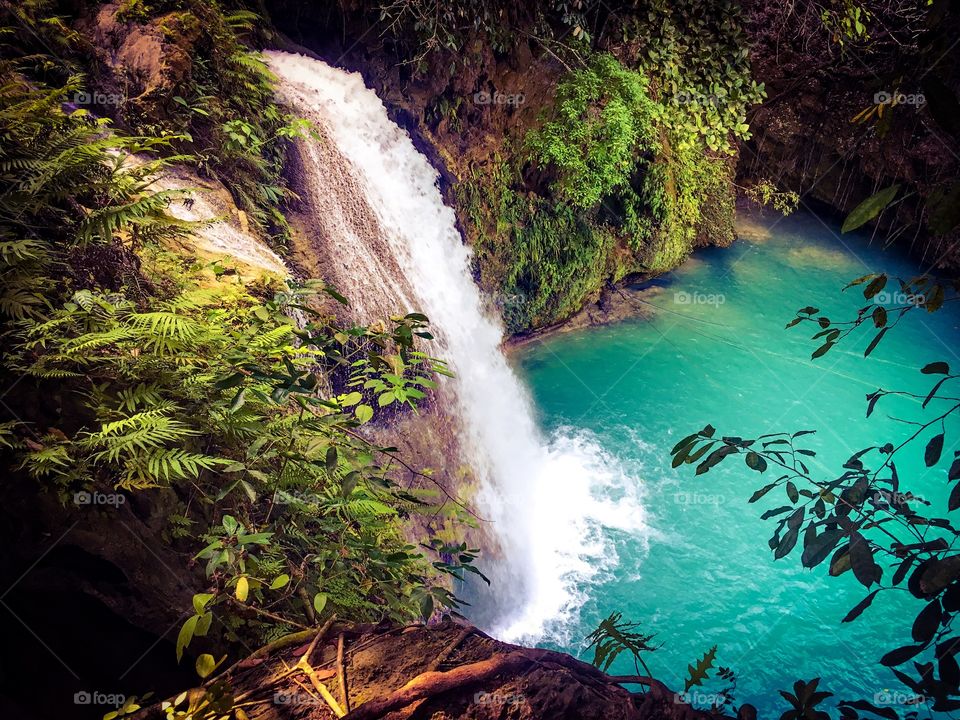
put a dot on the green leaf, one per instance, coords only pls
(858, 609)
(876, 341)
(869, 209)
(205, 665)
(200, 601)
(351, 399)
(698, 673)
(319, 602)
(880, 316)
(822, 350)
(876, 285)
(756, 462)
(792, 493)
(186, 635)
(363, 413)
(931, 455)
(203, 624)
(280, 581)
(763, 491)
(943, 209)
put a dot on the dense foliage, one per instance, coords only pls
(216, 105)
(631, 186)
(602, 120)
(237, 407)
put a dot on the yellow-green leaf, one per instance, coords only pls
(280, 581)
(205, 665)
(363, 413)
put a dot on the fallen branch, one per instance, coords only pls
(342, 674)
(321, 688)
(279, 644)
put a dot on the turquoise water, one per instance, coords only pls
(704, 575)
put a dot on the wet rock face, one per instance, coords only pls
(140, 66)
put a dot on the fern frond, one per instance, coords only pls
(274, 339)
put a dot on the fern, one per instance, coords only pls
(141, 395)
(163, 328)
(104, 223)
(613, 636)
(136, 435)
(166, 465)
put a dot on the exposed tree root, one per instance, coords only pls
(394, 673)
(433, 683)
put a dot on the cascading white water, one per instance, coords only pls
(544, 499)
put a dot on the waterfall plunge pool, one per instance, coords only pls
(714, 350)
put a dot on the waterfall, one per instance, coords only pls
(372, 209)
